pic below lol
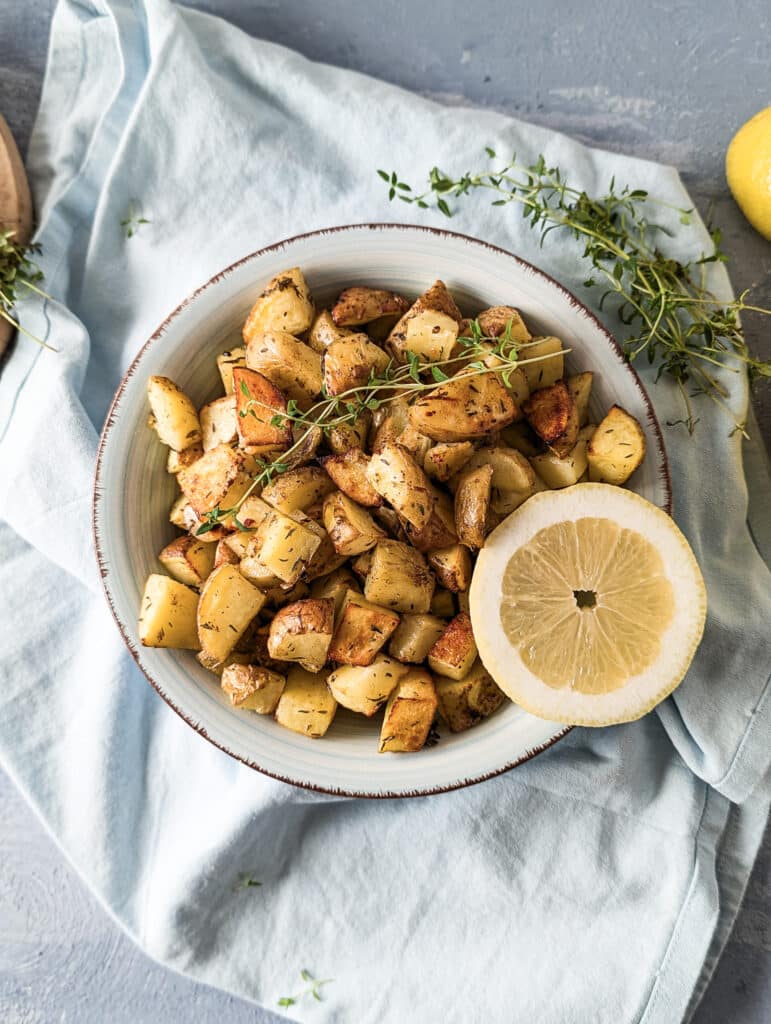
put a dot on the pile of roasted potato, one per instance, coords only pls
(344, 581)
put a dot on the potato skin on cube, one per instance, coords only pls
(472, 503)
(284, 305)
(455, 651)
(324, 331)
(306, 704)
(219, 478)
(462, 703)
(175, 418)
(409, 713)
(349, 363)
(465, 408)
(439, 531)
(496, 320)
(252, 688)
(168, 614)
(362, 629)
(348, 470)
(188, 560)
(227, 606)
(360, 305)
(302, 632)
(351, 528)
(288, 363)
(366, 688)
(257, 402)
(429, 328)
(396, 476)
(399, 578)
(414, 637)
(452, 567)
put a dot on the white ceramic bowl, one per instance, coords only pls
(133, 492)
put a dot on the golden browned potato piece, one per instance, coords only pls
(350, 362)
(219, 422)
(335, 586)
(219, 477)
(180, 460)
(464, 702)
(360, 305)
(175, 419)
(464, 408)
(286, 543)
(323, 561)
(218, 667)
(360, 565)
(350, 527)
(511, 470)
(617, 448)
(580, 388)
(542, 362)
(429, 328)
(366, 688)
(224, 554)
(253, 688)
(415, 636)
(344, 436)
(257, 402)
(226, 363)
(442, 603)
(396, 476)
(284, 305)
(548, 411)
(188, 560)
(446, 459)
(349, 472)
(417, 444)
(362, 629)
(399, 578)
(297, 489)
(227, 605)
(495, 321)
(472, 503)
(455, 651)
(306, 704)
(302, 632)
(168, 614)
(452, 567)
(439, 531)
(409, 713)
(288, 363)
(388, 423)
(558, 471)
(324, 331)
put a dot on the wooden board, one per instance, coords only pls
(15, 203)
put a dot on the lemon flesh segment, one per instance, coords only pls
(587, 605)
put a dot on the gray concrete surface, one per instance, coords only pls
(668, 81)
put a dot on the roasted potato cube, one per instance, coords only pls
(349, 473)
(306, 704)
(548, 411)
(521, 437)
(542, 362)
(302, 632)
(389, 422)
(566, 442)
(226, 363)
(286, 544)
(452, 566)
(417, 444)
(284, 305)
(219, 478)
(556, 471)
(617, 448)
(390, 521)
(258, 401)
(472, 503)
(298, 489)
(227, 605)
(335, 586)
(254, 570)
(580, 388)
(167, 616)
(324, 561)
(350, 362)
(439, 531)
(324, 331)
(396, 476)
(464, 702)
(175, 419)
(464, 408)
(503, 503)
(497, 320)
(180, 460)
(350, 527)
(360, 305)
(446, 459)
(455, 651)
(283, 594)
(511, 470)
(414, 637)
(252, 511)
(211, 535)
(409, 713)
(399, 578)
(344, 436)
(366, 688)
(253, 688)
(586, 433)
(429, 328)
(218, 667)
(219, 423)
(360, 565)
(188, 560)
(224, 554)
(288, 363)
(362, 630)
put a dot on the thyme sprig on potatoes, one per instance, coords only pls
(674, 320)
(480, 355)
(18, 272)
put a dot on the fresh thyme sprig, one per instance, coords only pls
(247, 882)
(133, 219)
(18, 271)
(674, 319)
(313, 989)
(479, 355)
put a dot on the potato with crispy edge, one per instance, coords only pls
(439, 531)
(360, 305)
(617, 447)
(224, 554)
(175, 419)
(286, 542)
(399, 578)
(442, 603)
(302, 632)
(364, 688)
(180, 460)
(344, 436)
(219, 423)
(429, 328)
(548, 411)
(388, 423)
(351, 528)
(284, 305)
(226, 363)
(511, 470)
(409, 713)
(324, 331)
(464, 408)
(580, 388)
(306, 704)
(188, 560)
(335, 586)
(324, 560)
(463, 703)
(219, 478)
(227, 605)
(258, 401)
(414, 637)
(218, 667)
(252, 688)
(297, 489)
(452, 566)
(350, 362)
(396, 476)
(362, 629)
(446, 458)
(561, 471)
(348, 470)
(288, 363)
(496, 320)
(472, 503)
(168, 614)
(455, 651)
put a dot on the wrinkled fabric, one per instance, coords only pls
(597, 882)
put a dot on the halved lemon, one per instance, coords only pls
(587, 605)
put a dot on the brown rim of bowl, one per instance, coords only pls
(663, 470)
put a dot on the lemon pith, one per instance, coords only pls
(748, 170)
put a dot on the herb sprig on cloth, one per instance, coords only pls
(675, 321)
(313, 989)
(18, 273)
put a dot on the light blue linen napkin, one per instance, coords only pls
(596, 883)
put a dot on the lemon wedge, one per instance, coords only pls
(587, 605)
(748, 170)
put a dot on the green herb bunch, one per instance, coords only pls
(18, 273)
(674, 320)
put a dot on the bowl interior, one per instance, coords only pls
(133, 492)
